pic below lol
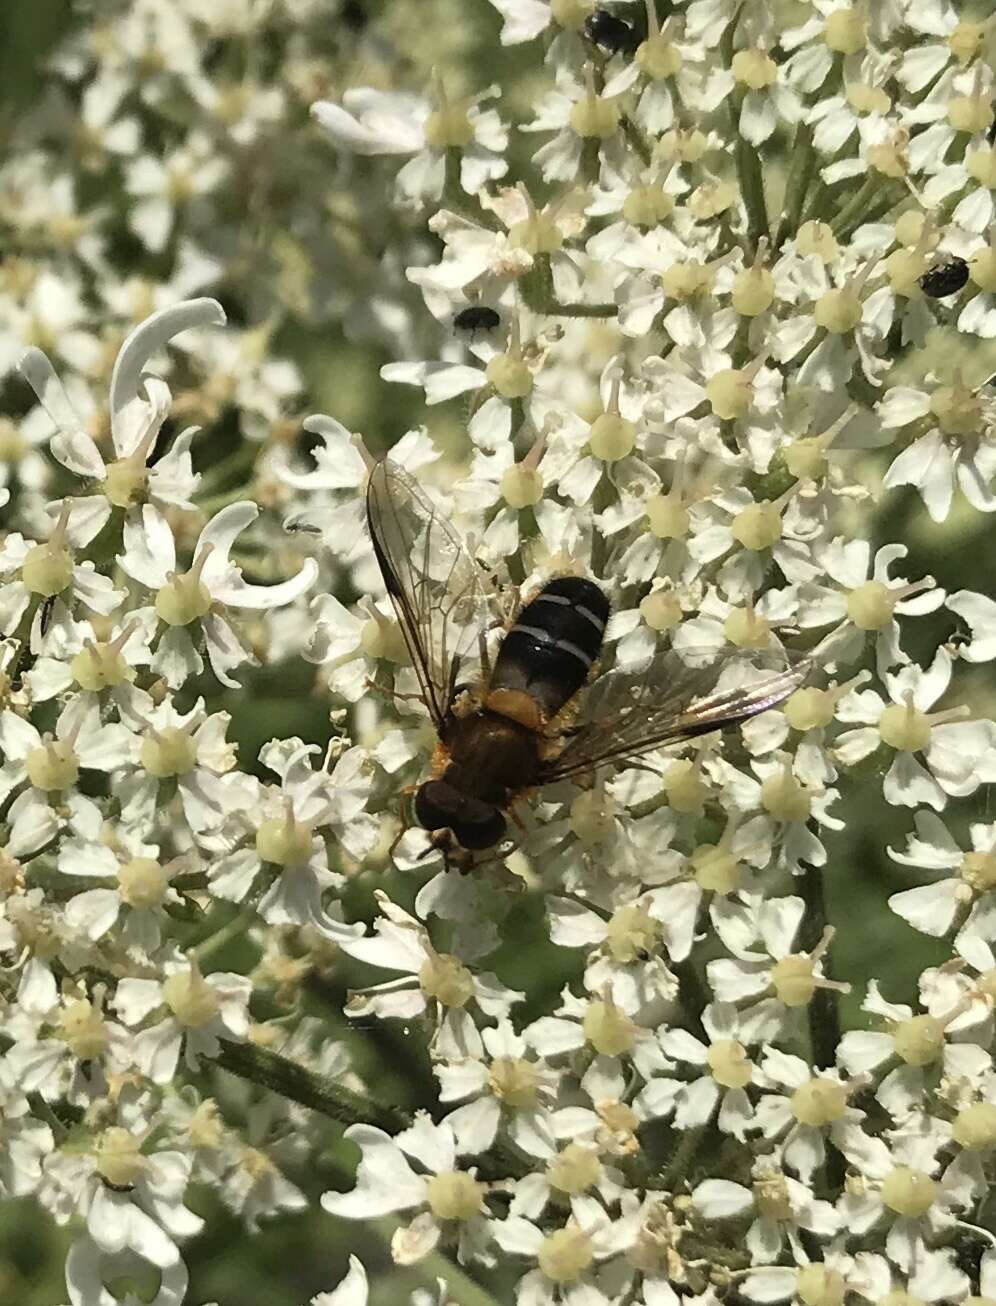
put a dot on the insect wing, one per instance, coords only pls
(671, 699)
(434, 584)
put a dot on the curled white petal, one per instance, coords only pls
(147, 338)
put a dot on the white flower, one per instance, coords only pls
(449, 1200)
(430, 981)
(390, 122)
(957, 445)
(197, 598)
(285, 825)
(980, 613)
(779, 1206)
(136, 420)
(933, 908)
(959, 755)
(200, 1011)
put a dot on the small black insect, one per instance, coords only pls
(45, 620)
(611, 33)
(476, 317)
(945, 278)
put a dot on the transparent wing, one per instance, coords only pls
(626, 713)
(436, 587)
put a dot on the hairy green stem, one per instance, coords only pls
(581, 310)
(271, 1070)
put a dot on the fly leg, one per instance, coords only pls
(393, 693)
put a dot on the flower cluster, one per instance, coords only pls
(714, 287)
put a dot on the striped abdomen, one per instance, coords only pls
(551, 648)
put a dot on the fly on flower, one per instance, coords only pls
(539, 711)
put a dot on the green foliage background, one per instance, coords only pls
(293, 1258)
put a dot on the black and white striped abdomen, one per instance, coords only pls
(554, 642)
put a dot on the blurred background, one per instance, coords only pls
(283, 222)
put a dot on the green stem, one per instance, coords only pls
(241, 459)
(858, 204)
(636, 139)
(233, 927)
(801, 169)
(824, 1017)
(279, 1075)
(752, 188)
(581, 310)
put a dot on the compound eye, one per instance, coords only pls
(477, 829)
(437, 804)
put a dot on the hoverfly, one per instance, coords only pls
(540, 712)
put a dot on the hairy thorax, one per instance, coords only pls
(491, 757)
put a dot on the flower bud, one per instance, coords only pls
(100, 666)
(819, 1285)
(565, 1254)
(667, 516)
(871, 605)
(978, 871)
(784, 798)
(449, 128)
(608, 1029)
(905, 728)
(685, 788)
(509, 375)
(283, 841)
(661, 609)
(53, 766)
(908, 1192)
(819, 1102)
(755, 69)
(746, 628)
(118, 1157)
(794, 980)
(846, 31)
(142, 882)
(647, 206)
(658, 57)
(919, 1040)
(521, 486)
(974, 1127)
(757, 527)
(47, 569)
(169, 752)
(574, 1170)
(715, 868)
(593, 815)
(454, 1195)
(818, 238)
(729, 1063)
(191, 998)
(632, 932)
(83, 1029)
(612, 437)
(445, 978)
(514, 1081)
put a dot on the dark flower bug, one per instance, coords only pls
(946, 277)
(537, 712)
(476, 317)
(612, 34)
